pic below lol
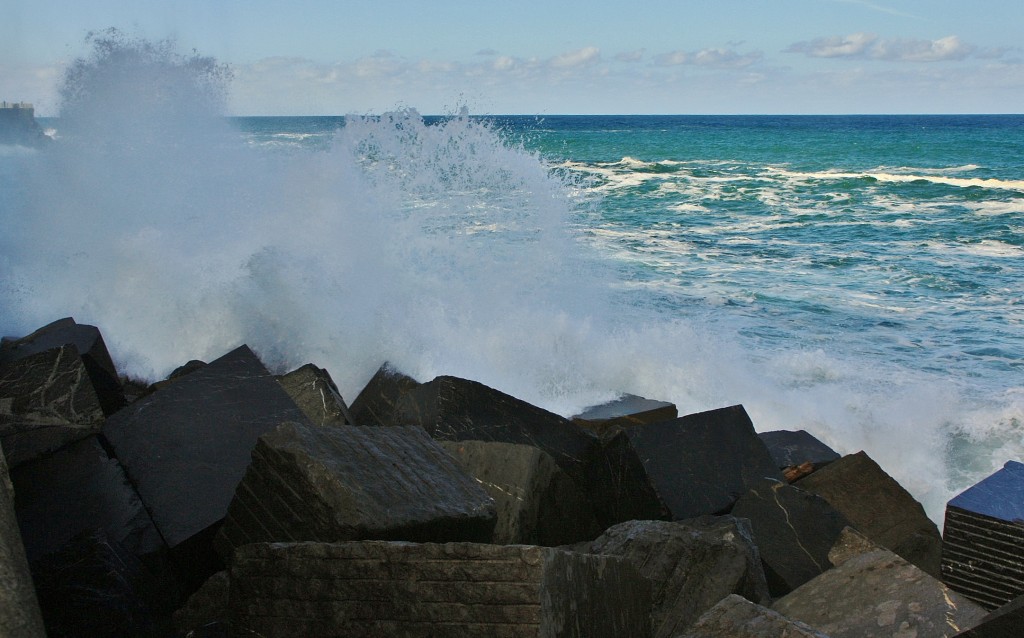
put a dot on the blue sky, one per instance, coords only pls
(308, 57)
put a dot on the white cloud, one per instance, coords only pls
(630, 56)
(712, 58)
(579, 57)
(870, 46)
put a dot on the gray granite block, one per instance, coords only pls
(791, 448)
(19, 608)
(465, 590)
(983, 539)
(317, 396)
(737, 617)
(308, 483)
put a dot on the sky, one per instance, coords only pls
(331, 57)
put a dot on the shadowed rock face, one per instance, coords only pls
(381, 590)
(186, 446)
(308, 483)
(19, 609)
(691, 565)
(46, 401)
(314, 392)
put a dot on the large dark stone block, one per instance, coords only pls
(1005, 622)
(983, 539)
(701, 463)
(691, 565)
(456, 590)
(89, 343)
(46, 401)
(794, 448)
(308, 483)
(625, 411)
(317, 396)
(737, 617)
(537, 503)
(186, 446)
(873, 592)
(19, 608)
(74, 491)
(377, 402)
(794, 531)
(878, 507)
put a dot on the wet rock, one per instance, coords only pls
(879, 507)
(874, 592)
(701, 463)
(625, 411)
(314, 392)
(308, 483)
(377, 403)
(206, 608)
(691, 565)
(737, 617)
(19, 608)
(95, 587)
(794, 531)
(90, 346)
(983, 539)
(796, 448)
(74, 491)
(186, 446)
(380, 589)
(46, 401)
(1004, 622)
(536, 502)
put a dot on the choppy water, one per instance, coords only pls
(858, 277)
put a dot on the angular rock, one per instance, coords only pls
(314, 392)
(737, 617)
(378, 401)
(983, 539)
(46, 401)
(95, 587)
(794, 531)
(536, 502)
(74, 491)
(1004, 622)
(90, 346)
(701, 463)
(878, 507)
(625, 411)
(19, 608)
(186, 446)
(874, 592)
(691, 565)
(308, 483)
(795, 448)
(380, 589)
(207, 607)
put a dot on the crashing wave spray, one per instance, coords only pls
(445, 249)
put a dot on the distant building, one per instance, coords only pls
(18, 125)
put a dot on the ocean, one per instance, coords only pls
(859, 277)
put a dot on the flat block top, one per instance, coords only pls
(1000, 496)
(625, 405)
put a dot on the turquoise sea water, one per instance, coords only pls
(860, 277)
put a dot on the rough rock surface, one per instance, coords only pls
(736, 617)
(314, 392)
(625, 411)
(19, 608)
(691, 565)
(1005, 622)
(308, 483)
(701, 463)
(74, 491)
(378, 400)
(46, 401)
(794, 530)
(381, 589)
(90, 346)
(878, 507)
(792, 448)
(536, 502)
(186, 446)
(874, 592)
(208, 606)
(983, 539)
